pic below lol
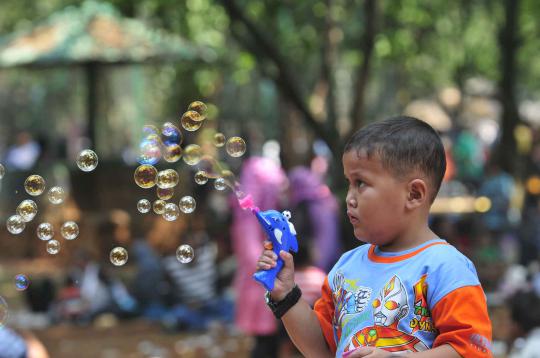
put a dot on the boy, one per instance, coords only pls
(407, 291)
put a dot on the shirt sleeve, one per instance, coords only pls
(462, 320)
(324, 309)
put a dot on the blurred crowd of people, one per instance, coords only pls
(217, 287)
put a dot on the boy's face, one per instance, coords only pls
(375, 199)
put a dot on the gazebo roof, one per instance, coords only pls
(93, 33)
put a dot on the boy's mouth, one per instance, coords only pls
(353, 219)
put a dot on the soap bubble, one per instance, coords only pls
(171, 212)
(172, 153)
(15, 224)
(150, 150)
(210, 166)
(189, 123)
(53, 247)
(236, 146)
(4, 312)
(69, 230)
(21, 282)
(219, 140)
(143, 206)
(201, 178)
(230, 179)
(167, 178)
(56, 195)
(45, 231)
(145, 176)
(170, 134)
(34, 185)
(27, 209)
(2, 171)
(198, 107)
(165, 193)
(192, 154)
(219, 184)
(159, 206)
(185, 254)
(149, 129)
(118, 256)
(187, 204)
(87, 160)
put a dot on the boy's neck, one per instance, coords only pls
(410, 239)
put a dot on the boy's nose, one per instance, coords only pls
(351, 202)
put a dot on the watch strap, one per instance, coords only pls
(281, 307)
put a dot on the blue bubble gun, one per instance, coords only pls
(282, 235)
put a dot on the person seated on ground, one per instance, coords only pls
(196, 301)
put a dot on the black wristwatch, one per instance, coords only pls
(281, 307)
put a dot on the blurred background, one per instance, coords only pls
(294, 79)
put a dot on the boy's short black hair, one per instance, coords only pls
(403, 144)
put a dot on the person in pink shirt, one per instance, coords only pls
(266, 182)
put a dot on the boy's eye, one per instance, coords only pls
(359, 183)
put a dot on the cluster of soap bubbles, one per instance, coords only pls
(166, 143)
(26, 211)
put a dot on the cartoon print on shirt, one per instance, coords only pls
(347, 302)
(390, 306)
(423, 321)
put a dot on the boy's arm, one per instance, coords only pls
(444, 351)
(303, 327)
(300, 320)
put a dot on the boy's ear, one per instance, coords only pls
(417, 193)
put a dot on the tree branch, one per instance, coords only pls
(370, 13)
(284, 78)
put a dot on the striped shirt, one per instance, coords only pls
(194, 283)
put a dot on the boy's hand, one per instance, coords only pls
(284, 282)
(368, 352)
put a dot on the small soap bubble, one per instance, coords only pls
(145, 176)
(230, 179)
(167, 178)
(149, 150)
(210, 166)
(192, 154)
(69, 230)
(188, 122)
(170, 134)
(118, 256)
(149, 129)
(219, 140)
(201, 178)
(21, 282)
(15, 224)
(34, 185)
(220, 184)
(27, 209)
(56, 195)
(171, 212)
(187, 204)
(159, 206)
(2, 171)
(4, 312)
(198, 107)
(185, 254)
(87, 160)
(144, 206)
(172, 153)
(45, 231)
(236, 147)
(53, 247)
(165, 193)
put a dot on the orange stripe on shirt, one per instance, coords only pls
(463, 322)
(389, 259)
(324, 309)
